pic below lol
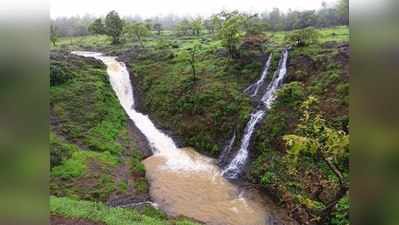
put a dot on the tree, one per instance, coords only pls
(230, 33)
(196, 26)
(343, 11)
(184, 27)
(137, 30)
(255, 26)
(315, 139)
(192, 55)
(276, 19)
(97, 27)
(53, 35)
(113, 26)
(158, 28)
(148, 24)
(304, 37)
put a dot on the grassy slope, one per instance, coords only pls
(99, 212)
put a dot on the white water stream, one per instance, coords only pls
(235, 167)
(183, 182)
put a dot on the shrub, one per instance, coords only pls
(304, 37)
(59, 151)
(58, 75)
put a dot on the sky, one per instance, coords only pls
(150, 8)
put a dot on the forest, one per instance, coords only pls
(261, 98)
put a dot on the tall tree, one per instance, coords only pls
(230, 33)
(113, 26)
(196, 26)
(97, 27)
(192, 56)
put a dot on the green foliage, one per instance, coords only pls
(192, 56)
(113, 26)
(88, 108)
(136, 166)
(153, 213)
(138, 31)
(97, 27)
(141, 185)
(255, 26)
(317, 139)
(59, 151)
(101, 213)
(304, 37)
(202, 112)
(230, 33)
(76, 166)
(341, 215)
(58, 75)
(183, 28)
(197, 26)
(53, 35)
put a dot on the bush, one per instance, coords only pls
(304, 37)
(58, 75)
(59, 151)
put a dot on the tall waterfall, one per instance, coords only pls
(160, 143)
(234, 168)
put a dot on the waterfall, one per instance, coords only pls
(227, 149)
(278, 78)
(253, 89)
(159, 142)
(234, 168)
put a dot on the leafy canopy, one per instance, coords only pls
(113, 26)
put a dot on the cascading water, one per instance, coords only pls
(253, 89)
(278, 78)
(227, 149)
(183, 182)
(234, 168)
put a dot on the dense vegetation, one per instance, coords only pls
(191, 83)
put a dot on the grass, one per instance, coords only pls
(99, 212)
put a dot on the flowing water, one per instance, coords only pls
(253, 89)
(182, 181)
(235, 167)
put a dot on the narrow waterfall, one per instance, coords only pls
(227, 149)
(234, 168)
(253, 89)
(278, 78)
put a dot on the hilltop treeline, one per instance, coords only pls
(268, 20)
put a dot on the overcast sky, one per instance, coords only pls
(149, 8)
